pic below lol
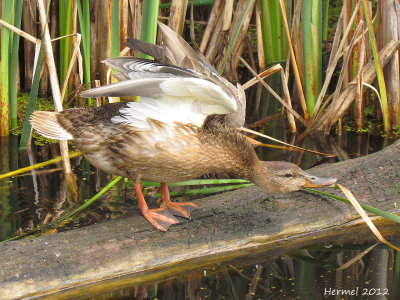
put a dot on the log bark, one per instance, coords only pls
(235, 225)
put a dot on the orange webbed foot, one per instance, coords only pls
(181, 209)
(161, 218)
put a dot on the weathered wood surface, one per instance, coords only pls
(227, 226)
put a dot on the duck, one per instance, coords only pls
(184, 126)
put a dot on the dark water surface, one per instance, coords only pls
(40, 196)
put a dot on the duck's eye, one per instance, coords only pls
(288, 175)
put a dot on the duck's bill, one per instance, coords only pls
(315, 182)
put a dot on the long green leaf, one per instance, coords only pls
(14, 65)
(115, 28)
(84, 24)
(26, 129)
(148, 26)
(273, 34)
(91, 200)
(370, 209)
(312, 50)
(192, 182)
(209, 190)
(7, 13)
(65, 15)
(325, 20)
(379, 71)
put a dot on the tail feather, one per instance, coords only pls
(46, 124)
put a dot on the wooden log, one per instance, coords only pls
(234, 225)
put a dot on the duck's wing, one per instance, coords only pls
(134, 68)
(174, 50)
(168, 94)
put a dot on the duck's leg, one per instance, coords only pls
(161, 218)
(181, 209)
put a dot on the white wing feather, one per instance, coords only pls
(182, 100)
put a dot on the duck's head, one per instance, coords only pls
(281, 177)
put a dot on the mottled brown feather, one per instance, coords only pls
(163, 153)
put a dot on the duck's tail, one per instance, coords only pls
(46, 124)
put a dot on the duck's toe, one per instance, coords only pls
(161, 218)
(181, 209)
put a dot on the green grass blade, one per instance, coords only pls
(115, 28)
(370, 209)
(325, 20)
(7, 13)
(65, 52)
(148, 31)
(273, 31)
(14, 65)
(192, 182)
(91, 200)
(379, 71)
(209, 190)
(54, 160)
(26, 129)
(312, 50)
(84, 24)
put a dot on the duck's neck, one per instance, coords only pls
(262, 178)
(236, 157)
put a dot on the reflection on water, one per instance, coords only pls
(41, 196)
(283, 278)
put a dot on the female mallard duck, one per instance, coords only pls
(171, 134)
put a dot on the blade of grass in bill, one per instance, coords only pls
(376, 211)
(364, 216)
(360, 209)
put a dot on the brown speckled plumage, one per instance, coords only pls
(132, 152)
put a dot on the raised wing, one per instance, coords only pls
(168, 94)
(174, 50)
